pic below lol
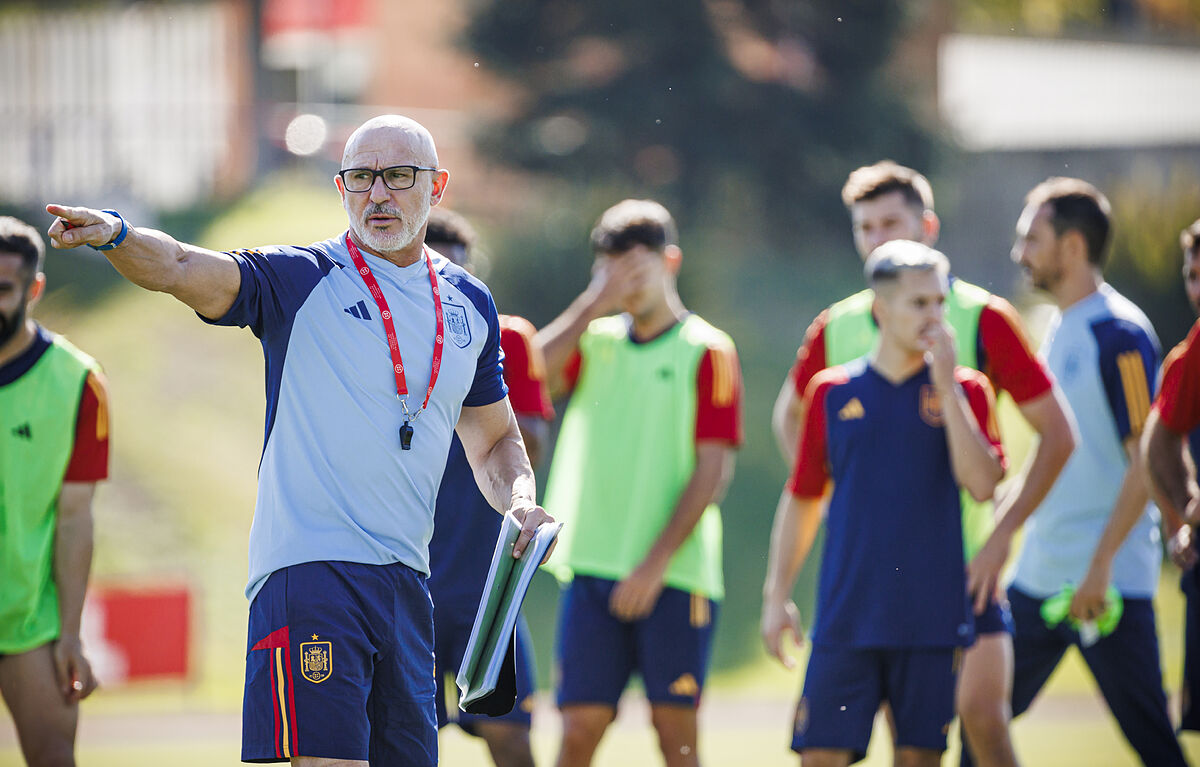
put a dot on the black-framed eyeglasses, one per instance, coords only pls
(396, 178)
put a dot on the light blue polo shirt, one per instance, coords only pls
(334, 484)
(1105, 355)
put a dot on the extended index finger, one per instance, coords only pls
(72, 215)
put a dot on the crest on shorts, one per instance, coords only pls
(931, 407)
(316, 661)
(457, 327)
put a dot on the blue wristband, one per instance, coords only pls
(115, 241)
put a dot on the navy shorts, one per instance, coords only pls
(996, 618)
(844, 687)
(339, 665)
(1190, 583)
(597, 653)
(451, 630)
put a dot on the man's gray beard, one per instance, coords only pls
(388, 242)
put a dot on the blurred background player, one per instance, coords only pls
(889, 202)
(1095, 527)
(54, 427)
(645, 452)
(898, 432)
(1170, 448)
(466, 526)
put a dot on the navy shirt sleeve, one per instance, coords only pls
(275, 283)
(1129, 359)
(488, 386)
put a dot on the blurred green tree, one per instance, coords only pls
(697, 98)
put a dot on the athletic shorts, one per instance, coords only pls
(1190, 687)
(451, 632)
(339, 665)
(597, 653)
(996, 618)
(844, 687)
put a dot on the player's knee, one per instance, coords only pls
(676, 730)
(50, 753)
(982, 713)
(582, 729)
(509, 745)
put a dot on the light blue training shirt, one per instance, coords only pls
(334, 484)
(1105, 355)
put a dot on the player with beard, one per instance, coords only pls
(54, 427)
(1095, 528)
(1170, 449)
(339, 665)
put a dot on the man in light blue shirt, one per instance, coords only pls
(377, 350)
(1095, 527)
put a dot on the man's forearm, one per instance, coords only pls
(560, 338)
(205, 280)
(714, 467)
(504, 475)
(792, 534)
(1162, 453)
(975, 466)
(1056, 440)
(73, 553)
(1128, 509)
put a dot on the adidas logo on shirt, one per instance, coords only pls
(24, 431)
(851, 410)
(358, 311)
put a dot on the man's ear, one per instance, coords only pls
(337, 181)
(931, 227)
(672, 258)
(36, 289)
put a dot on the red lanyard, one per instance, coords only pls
(406, 431)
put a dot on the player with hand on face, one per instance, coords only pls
(890, 202)
(898, 433)
(644, 454)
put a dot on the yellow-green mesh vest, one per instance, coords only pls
(851, 332)
(38, 414)
(626, 450)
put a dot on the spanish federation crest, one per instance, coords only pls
(457, 328)
(316, 660)
(931, 407)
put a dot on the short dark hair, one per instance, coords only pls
(19, 238)
(871, 181)
(446, 226)
(1076, 205)
(886, 262)
(633, 222)
(1189, 239)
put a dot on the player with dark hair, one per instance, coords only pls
(377, 352)
(1095, 528)
(54, 424)
(898, 432)
(1173, 430)
(886, 202)
(466, 526)
(645, 452)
